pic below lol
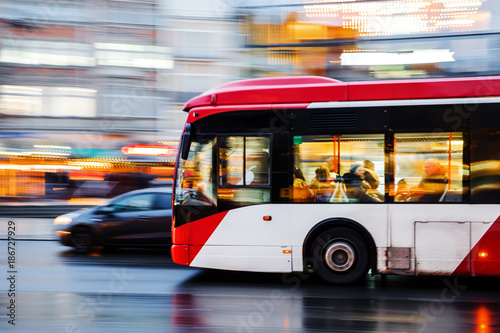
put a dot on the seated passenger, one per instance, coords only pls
(356, 186)
(301, 191)
(433, 185)
(321, 185)
(372, 179)
(403, 192)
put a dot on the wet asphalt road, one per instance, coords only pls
(58, 290)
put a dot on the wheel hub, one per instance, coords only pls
(339, 256)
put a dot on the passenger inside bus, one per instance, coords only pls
(321, 185)
(301, 191)
(357, 186)
(372, 179)
(403, 191)
(433, 185)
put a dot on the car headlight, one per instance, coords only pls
(66, 218)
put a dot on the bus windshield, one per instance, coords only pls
(194, 182)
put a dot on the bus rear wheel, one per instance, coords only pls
(341, 256)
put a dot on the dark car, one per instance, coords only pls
(134, 219)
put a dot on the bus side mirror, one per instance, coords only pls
(186, 142)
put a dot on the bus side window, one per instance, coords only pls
(346, 168)
(485, 166)
(429, 167)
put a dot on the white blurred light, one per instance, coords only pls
(83, 90)
(51, 147)
(381, 58)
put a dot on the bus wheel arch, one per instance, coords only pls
(347, 238)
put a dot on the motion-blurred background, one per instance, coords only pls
(91, 91)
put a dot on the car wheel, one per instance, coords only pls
(82, 239)
(341, 256)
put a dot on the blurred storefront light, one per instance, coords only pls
(394, 17)
(152, 150)
(386, 58)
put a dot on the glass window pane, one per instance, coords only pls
(135, 202)
(244, 161)
(194, 184)
(485, 166)
(429, 167)
(257, 161)
(164, 201)
(231, 160)
(339, 168)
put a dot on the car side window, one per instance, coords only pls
(138, 202)
(164, 201)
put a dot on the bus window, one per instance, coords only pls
(429, 167)
(194, 185)
(243, 171)
(485, 166)
(339, 168)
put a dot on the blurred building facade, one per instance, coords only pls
(360, 40)
(205, 47)
(73, 66)
(78, 81)
(81, 80)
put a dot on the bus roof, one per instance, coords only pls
(312, 89)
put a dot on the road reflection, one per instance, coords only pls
(249, 302)
(127, 257)
(221, 301)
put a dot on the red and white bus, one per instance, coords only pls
(313, 174)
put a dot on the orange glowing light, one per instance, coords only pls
(152, 150)
(483, 254)
(87, 175)
(483, 319)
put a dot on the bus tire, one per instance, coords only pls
(340, 256)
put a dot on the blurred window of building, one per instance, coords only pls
(21, 100)
(130, 55)
(129, 99)
(132, 12)
(37, 52)
(40, 12)
(134, 16)
(48, 101)
(195, 44)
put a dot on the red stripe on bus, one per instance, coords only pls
(200, 232)
(484, 258)
(195, 234)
